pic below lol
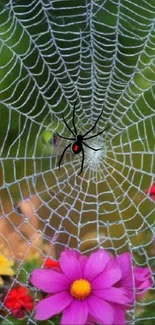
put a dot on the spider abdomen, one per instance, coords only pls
(76, 147)
(79, 139)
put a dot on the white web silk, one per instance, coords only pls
(101, 53)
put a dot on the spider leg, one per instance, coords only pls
(68, 126)
(63, 155)
(65, 137)
(93, 125)
(91, 147)
(74, 118)
(95, 135)
(82, 162)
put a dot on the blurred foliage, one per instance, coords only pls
(28, 267)
(10, 320)
(148, 316)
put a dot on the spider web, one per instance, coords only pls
(102, 54)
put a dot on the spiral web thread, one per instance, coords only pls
(100, 53)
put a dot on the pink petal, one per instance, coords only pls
(100, 309)
(143, 279)
(96, 264)
(70, 266)
(49, 281)
(144, 287)
(142, 273)
(92, 321)
(125, 263)
(52, 305)
(117, 295)
(76, 313)
(108, 277)
(83, 260)
(70, 253)
(119, 316)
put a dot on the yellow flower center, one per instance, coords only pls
(80, 289)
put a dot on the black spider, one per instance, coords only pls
(77, 145)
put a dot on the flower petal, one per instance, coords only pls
(119, 316)
(76, 313)
(96, 264)
(100, 309)
(83, 260)
(117, 295)
(6, 271)
(125, 263)
(151, 191)
(70, 253)
(143, 280)
(142, 274)
(143, 287)
(49, 281)
(52, 305)
(50, 263)
(70, 265)
(92, 321)
(18, 313)
(108, 277)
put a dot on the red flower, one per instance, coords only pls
(19, 301)
(151, 191)
(49, 263)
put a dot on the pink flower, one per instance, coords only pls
(83, 290)
(119, 316)
(143, 279)
(138, 279)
